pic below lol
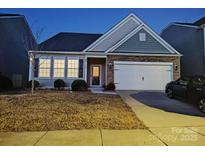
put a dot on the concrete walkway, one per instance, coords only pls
(102, 91)
(94, 137)
(171, 128)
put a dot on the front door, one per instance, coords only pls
(95, 75)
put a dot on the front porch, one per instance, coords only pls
(96, 72)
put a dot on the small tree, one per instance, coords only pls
(30, 43)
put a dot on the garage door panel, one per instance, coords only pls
(123, 72)
(142, 77)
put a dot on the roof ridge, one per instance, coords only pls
(10, 15)
(80, 33)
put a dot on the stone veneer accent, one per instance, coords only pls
(111, 58)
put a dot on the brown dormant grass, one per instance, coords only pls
(47, 110)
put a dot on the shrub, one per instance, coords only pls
(79, 85)
(5, 82)
(59, 83)
(110, 86)
(29, 84)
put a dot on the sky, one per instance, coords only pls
(88, 20)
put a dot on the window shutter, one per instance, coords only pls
(36, 63)
(80, 75)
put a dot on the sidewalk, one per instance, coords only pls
(81, 138)
(157, 136)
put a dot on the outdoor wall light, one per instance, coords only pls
(176, 67)
(110, 65)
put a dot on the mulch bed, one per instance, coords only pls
(53, 110)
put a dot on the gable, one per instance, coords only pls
(115, 34)
(133, 44)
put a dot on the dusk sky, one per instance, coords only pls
(100, 20)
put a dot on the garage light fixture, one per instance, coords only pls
(176, 67)
(110, 65)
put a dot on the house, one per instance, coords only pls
(130, 54)
(14, 60)
(189, 40)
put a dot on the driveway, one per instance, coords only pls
(160, 101)
(172, 121)
(156, 110)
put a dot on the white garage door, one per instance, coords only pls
(142, 75)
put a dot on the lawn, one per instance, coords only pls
(51, 110)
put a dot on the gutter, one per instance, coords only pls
(101, 53)
(140, 54)
(56, 52)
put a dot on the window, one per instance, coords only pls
(96, 71)
(44, 67)
(73, 65)
(59, 68)
(142, 36)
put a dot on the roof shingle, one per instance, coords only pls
(68, 42)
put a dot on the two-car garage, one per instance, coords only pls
(129, 75)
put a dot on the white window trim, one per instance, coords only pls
(61, 58)
(44, 57)
(72, 58)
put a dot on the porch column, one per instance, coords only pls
(106, 71)
(30, 68)
(85, 67)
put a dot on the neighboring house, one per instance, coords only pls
(189, 40)
(14, 60)
(130, 54)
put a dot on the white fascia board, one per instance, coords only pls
(116, 27)
(135, 53)
(161, 40)
(125, 39)
(139, 54)
(56, 52)
(190, 26)
(96, 56)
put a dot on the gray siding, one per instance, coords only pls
(189, 42)
(116, 36)
(14, 61)
(151, 45)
